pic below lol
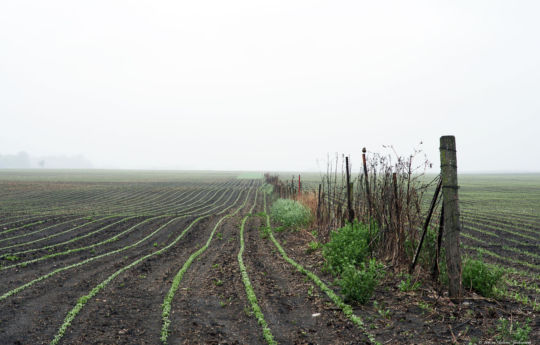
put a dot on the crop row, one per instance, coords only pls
(199, 213)
(84, 299)
(187, 211)
(180, 208)
(141, 200)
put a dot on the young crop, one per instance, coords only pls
(21, 227)
(250, 292)
(43, 229)
(167, 303)
(82, 301)
(78, 264)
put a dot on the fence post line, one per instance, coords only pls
(452, 225)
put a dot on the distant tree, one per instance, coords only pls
(19, 161)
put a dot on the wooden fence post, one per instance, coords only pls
(350, 210)
(319, 206)
(451, 214)
(368, 194)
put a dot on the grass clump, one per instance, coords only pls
(478, 276)
(358, 284)
(348, 245)
(290, 213)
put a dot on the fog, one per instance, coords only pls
(269, 85)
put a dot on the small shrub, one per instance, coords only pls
(358, 284)
(289, 213)
(348, 246)
(478, 276)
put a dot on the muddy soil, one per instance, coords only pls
(211, 307)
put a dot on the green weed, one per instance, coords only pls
(425, 306)
(513, 331)
(348, 246)
(385, 313)
(358, 284)
(408, 284)
(314, 246)
(478, 276)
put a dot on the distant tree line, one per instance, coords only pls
(23, 160)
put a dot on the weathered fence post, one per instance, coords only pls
(451, 214)
(368, 194)
(319, 206)
(350, 210)
(299, 186)
(398, 226)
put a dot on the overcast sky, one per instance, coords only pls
(269, 85)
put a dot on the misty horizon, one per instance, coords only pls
(22, 160)
(272, 86)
